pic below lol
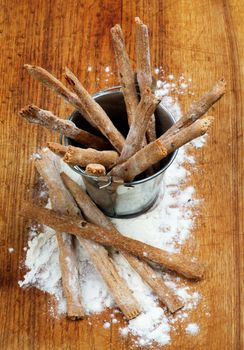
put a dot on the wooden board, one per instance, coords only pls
(202, 40)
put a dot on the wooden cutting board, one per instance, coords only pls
(202, 40)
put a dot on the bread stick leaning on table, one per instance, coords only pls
(182, 264)
(63, 203)
(48, 166)
(94, 215)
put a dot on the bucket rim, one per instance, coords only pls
(79, 170)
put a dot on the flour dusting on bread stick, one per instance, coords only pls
(36, 115)
(57, 86)
(94, 215)
(143, 68)
(155, 282)
(49, 168)
(95, 112)
(63, 202)
(183, 264)
(125, 72)
(198, 108)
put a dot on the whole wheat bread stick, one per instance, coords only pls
(134, 139)
(95, 216)
(83, 157)
(36, 115)
(200, 107)
(95, 170)
(182, 264)
(63, 202)
(159, 149)
(95, 112)
(126, 74)
(143, 65)
(48, 167)
(105, 265)
(155, 281)
(57, 148)
(143, 68)
(59, 88)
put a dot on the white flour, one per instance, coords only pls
(192, 328)
(168, 225)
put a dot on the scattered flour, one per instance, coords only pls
(167, 225)
(35, 156)
(10, 250)
(192, 328)
(200, 141)
(106, 325)
(171, 84)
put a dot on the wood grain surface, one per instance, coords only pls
(202, 40)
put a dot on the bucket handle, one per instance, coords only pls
(110, 179)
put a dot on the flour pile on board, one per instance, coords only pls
(167, 225)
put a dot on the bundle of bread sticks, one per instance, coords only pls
(74, 216)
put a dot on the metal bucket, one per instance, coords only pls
(127, 199)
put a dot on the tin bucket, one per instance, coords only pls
(132, 198)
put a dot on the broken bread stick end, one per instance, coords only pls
(138, 21)
(69, 76)
(30, 113)
(28, 66)
(132, 313)
(76, 317)
(57, 148)
(95, 169)
(68, 156)
(220, 86)
(116, 30)
(205, 124)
